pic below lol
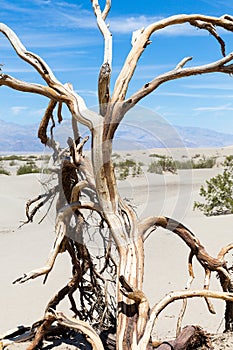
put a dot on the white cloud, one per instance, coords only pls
(18, 70)
(187, 94)
(91, 93)
(16, 110)
(129, 24)
(8, 6)
(126, 25)
(219, 3)
(226, 107)
(182, 94)
(37, 112)
(210, 86)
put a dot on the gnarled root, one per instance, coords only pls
(43, 327)
(190, 338)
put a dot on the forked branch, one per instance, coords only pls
(181, 72)
(106, 68)
(61, 232)
(71, 323)
(143, 39)
(55, 89)
(34, 60)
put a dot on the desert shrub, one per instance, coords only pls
(127, 167)
(27, 169)
(13, 157)
(124, 173)
(164, 163)
(155, 167)
(187, 164)
(116, 155)
(197, 155)
(4, 171)
(137, 170)
(31, 163)
(167, 164)
(218, 192)
(12, 163)
(129, 163)
(124, 168)
(156, 155)
(44, 157)
(204, 162)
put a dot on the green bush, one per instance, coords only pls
(4, 171)
(163, 164)
(197, 155)
(156, 155)
(204, 162)
(12, 163)
(28, 169)
(44, 157)
(116, 156)
(167, 164)
(127, 167)
(124, 173)
(155, 167)
(187, 164)
(136, 170)
(218, 193)
(13, 157)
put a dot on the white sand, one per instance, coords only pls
(166, 255)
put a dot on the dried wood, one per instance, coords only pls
(190, 338)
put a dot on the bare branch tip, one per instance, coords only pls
(182, 63)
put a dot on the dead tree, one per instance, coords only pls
(90, 186)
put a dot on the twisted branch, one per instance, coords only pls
(141, 43)
(171, 297)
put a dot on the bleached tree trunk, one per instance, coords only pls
(123, 226)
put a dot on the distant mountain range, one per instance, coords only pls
(137, 135)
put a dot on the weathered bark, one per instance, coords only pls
(41, 331)
(229, 312)
(190, 338)
(227, 285)
(131, 322)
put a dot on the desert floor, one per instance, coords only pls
(23, 249)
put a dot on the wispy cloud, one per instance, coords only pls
(125, 25)
(211, 86)
(16, 110)
(193, 95)
(182, 94)
(227, 107)
(67, 15)
(91, 93)
(36, 112)
(9, 6)
(56, 40)
(18, 70)
(219, 3)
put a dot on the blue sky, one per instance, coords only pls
(65, 35)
